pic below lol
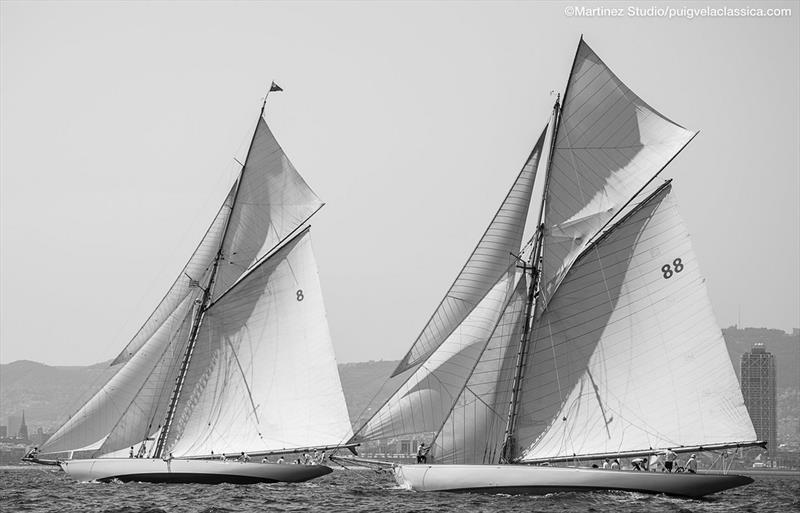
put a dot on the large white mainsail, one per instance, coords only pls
(263, 375)
(243, 249)
(628, 356)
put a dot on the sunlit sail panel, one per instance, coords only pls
(609, 144)
(473, 432)
(196, 272)
(485, 266)
(263, 375)
(273, 200)
(425, 400)
(95, 419)
(628, 355)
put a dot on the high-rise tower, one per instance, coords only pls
(759, 391)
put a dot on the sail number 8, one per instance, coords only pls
(300, 296)
(677, 266)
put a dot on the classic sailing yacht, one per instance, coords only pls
(593, 340)
(236, 358)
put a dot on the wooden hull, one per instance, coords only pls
(189, 471)
(523, 479)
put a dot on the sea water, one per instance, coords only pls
(39, 489)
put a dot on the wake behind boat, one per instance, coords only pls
(237, 358)
(594, 339)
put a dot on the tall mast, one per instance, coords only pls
(533, 266)
(201, 306)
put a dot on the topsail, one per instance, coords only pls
(609, 145)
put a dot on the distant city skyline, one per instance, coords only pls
(119, 123)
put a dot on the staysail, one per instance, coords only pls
(628, 354)
(424, 402)
(139, 386)
(268, 202)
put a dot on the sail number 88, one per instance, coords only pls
(677, 266)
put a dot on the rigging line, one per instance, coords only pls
(174, 283)
(599, 232)
(508, 301)
(555, 362)
(479, 398)
(244, 380)
(141, 387)
(601, 348)
(415, 368)
(596, 391)
(594, 242)
(536, 149)
(285, 241)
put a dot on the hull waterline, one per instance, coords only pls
(189, 471)
(522, 479)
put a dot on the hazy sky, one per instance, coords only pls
(119, 123)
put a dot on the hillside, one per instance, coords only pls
(49, 394)
(785, 347)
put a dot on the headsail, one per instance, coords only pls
(195, 274)
(489, 260)
(609, 144)
(141, 385)
(473, 431)
(628, 356)
(273, 200)
(424, 402)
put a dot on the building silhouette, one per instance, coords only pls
(760, 397)
(23, 429)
